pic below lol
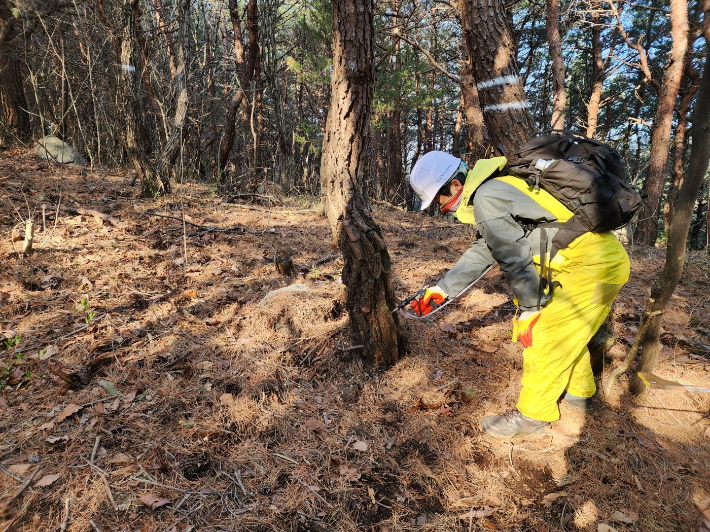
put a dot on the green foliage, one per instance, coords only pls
(88, 313)
(11, 343)
(6, 367)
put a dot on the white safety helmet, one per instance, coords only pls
(431, 173)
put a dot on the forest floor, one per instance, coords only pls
(148, 383)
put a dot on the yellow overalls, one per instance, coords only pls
(590, 272)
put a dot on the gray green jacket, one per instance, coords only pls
(501, 210)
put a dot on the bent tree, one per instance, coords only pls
(366, 269)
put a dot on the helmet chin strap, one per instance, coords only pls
(452, 204)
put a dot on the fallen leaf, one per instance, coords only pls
(50, 281)
(110, 388)
(421, 520)
(552, 497)
(44, 354)
(3, 402)
(448, 327)
(121, 458)
(85, 282)
(478, 513)
(70, 409)
(638, 482)
(46, 426)
(54, 439)
(226, 399)
(603, 527)
(46, 480)
(489, 348)
(128, 399)
(19, 469)
(99, 409)
(313, 423)
(153, 501)
(360, 446)
(625, 516)
(349, 472)
(190, 293)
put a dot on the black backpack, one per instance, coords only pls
(586, 176)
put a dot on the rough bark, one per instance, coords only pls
(366, 268)
(175, 129)
(477, 138)
(487, 30)
(647, 228)
(558, 66)
(680, 147)
(598, 72)
(15, 117)
(134, 141)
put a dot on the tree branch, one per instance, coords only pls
(432, 61)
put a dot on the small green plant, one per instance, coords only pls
(5, 369)
(315, 272)
(11, 343)
(88, 314)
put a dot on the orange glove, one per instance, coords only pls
(433, 297)
(523, 326)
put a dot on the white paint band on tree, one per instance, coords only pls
(128, 68)
(495, 82)
(506, 106)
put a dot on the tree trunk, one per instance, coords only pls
(647, 229)
(680, 147)
(130, 93)
(174, 142)
(558, 66)
(477, 139)
(487, 29)
(696, 228)
(598, 72)
(666, 283)
(366, 268)
(12, 92)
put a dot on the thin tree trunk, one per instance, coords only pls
(680, 147)
(12, 92)
(695, 228)
(598, 72)
(558, 66)
(174, 142)
(666, 283)
(130, 93)
(366, 268)
(487, 29)
(647, 229)
(456, 143)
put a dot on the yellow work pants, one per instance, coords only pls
(594, 268)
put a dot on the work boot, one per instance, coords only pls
(577, 402)
(511, 424)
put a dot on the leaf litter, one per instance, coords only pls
(194, 405)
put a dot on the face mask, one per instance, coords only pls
(452, 204)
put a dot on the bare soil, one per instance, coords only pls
(149, 384)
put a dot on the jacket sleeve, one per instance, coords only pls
(500, 209)
(469, 267)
